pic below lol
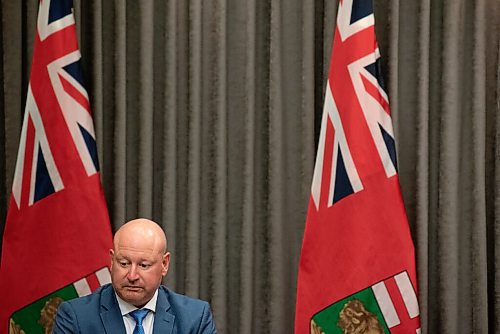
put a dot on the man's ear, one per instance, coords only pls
(165, 262)
(111, 256)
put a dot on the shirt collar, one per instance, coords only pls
(126, 308)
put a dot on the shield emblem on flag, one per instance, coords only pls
(389, 306)
(39, 316)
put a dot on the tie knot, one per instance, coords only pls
(139, 315)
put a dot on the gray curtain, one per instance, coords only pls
(207, 117)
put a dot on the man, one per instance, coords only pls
(136, 302)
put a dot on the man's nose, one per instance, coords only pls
(132, 274)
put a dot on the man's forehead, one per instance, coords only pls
(137, 253)
(141, 233)
(136, 245)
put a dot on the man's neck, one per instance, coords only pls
(126, 307)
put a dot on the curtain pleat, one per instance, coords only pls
(207, 116)
(423, 159)
(194, 149)
(493, 226)
(169, 136)
(478, 232)
(221, 156)
(14, 81)
(118, 203)
(276, 172)
(147, 77)
(243, 320)
(450, 243)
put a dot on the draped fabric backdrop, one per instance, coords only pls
(207, 117)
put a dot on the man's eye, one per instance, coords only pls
(123, 263)
(144, 265)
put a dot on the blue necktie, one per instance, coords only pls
(139, 316)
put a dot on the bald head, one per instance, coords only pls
(141, 231)
(139, 261)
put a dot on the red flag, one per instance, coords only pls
(57, 233)
(357, 265)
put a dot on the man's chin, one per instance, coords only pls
(134, 296)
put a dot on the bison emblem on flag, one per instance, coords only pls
(389, 306)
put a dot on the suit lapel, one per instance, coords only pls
(164, 320)
(110, 312)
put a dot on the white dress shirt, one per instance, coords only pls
(129, 322)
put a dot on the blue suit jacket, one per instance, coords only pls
(100, 313)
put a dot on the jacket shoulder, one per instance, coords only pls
(83, 314)
(191, 315)
(94, 298)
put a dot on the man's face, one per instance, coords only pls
(137, 268)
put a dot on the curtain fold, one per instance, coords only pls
(493, 226)
(424, 163)
(478, 232)
(207, 115)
